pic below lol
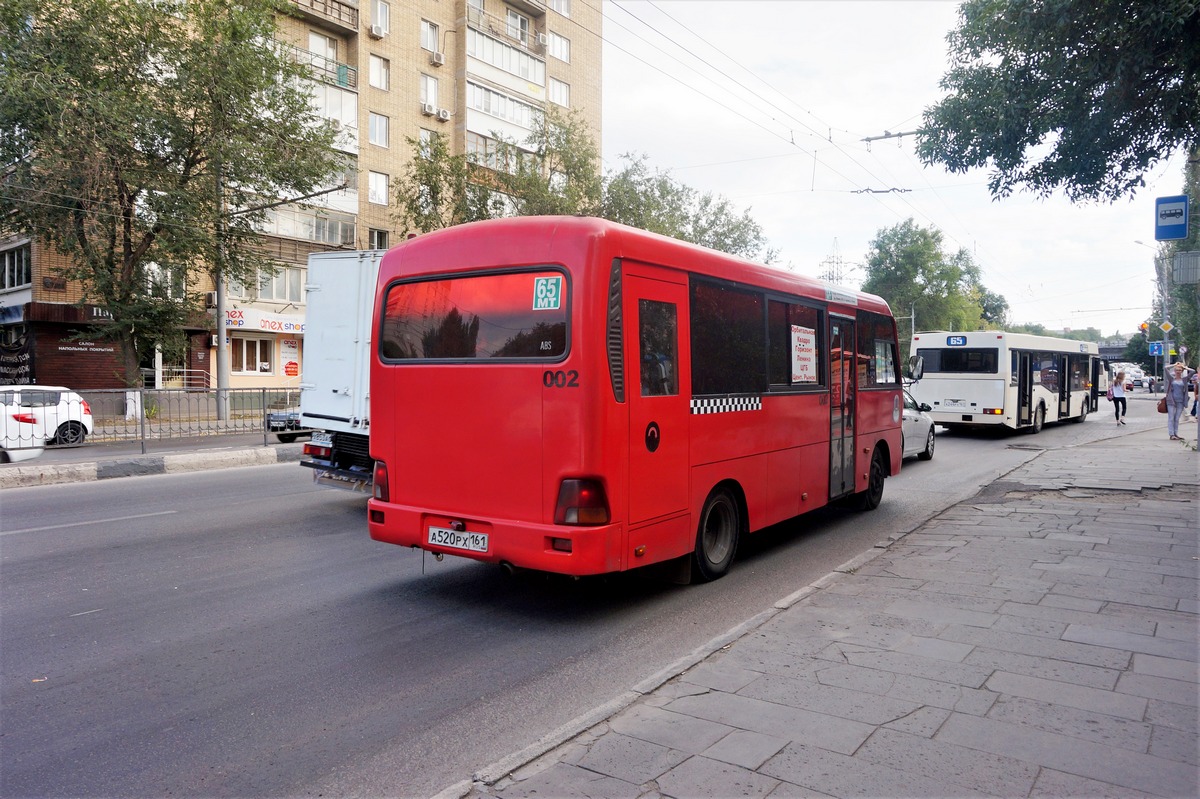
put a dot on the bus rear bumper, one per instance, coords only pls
(561, 549)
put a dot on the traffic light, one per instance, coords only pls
(1145, 328)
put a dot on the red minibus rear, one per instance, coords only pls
(576, 396)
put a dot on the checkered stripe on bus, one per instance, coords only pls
(727, 405)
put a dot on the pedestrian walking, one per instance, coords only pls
(1118, 397)
(1177, 390)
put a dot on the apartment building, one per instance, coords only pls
(384, 71)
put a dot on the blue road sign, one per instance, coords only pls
(1171, 218)
(1156, 348)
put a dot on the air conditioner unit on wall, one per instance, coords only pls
(377, 31)
(543, 39)
(210, 299)
(428, 109)
(444, 115)
(437, 59)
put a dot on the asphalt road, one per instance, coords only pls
(235, 633)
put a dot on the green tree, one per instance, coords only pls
(556, 171)
(140, 135)
(907, 266)
(653, 200)
(1082, 95)
(436, 190)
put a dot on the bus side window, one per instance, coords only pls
(658, 334)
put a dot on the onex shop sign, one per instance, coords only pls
(250, 320)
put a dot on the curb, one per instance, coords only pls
(36, 475)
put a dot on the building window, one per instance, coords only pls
(378, 129)
(377, 189)
(281, 285)
(513, 60)
(381, 14)
(560, 93)
(561, 6)
(377, 239)
(333, 103)
(560, 47)
(492, 102)
(381, 72)
(427, 138)
(429, 36)
(251, 355)
(518, 26)
(429, 90)
(310, 224)
(162, 283)
(15, 269)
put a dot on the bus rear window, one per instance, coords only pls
(477, 317)
(978, 360)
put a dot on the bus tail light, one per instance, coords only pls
(581, 502)
(993, 411)
(380, 481)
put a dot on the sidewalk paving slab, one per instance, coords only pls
(1039, 639)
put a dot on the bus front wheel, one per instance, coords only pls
(872, 495)
(717, 536)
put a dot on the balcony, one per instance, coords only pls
(498, 27)
(324, 68)
(335, 15)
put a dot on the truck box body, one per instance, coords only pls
(335, 389)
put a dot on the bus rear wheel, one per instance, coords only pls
(870, 497)
(717, 535)
(1039, 419)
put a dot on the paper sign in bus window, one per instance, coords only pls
(804, 354)
(547, 293)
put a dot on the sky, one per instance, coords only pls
(767, 103)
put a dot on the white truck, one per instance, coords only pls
(335, 387)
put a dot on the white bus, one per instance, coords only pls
(991, 378)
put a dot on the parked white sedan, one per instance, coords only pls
(22, 434)
(917, 426)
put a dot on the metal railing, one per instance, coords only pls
(150, 414)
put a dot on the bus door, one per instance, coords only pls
(655, 335)
(1064, 386)
(1024, 388)
(842, 388)
(1095, 365)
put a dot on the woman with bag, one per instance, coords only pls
(1176, 398)
(1116, 393)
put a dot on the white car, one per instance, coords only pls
(22, 434)
(917, 426)
(66, 415)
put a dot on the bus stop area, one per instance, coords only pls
(1039, 639)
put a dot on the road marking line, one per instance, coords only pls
(93, 521)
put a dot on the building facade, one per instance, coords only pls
(385, 71)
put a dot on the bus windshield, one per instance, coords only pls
(478, 317)
(979, 360)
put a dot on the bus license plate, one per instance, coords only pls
(471, 542)
(957, 403)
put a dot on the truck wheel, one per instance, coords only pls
(287, 438)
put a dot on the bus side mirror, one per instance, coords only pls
(916, 366)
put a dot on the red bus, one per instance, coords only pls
(576, 396)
